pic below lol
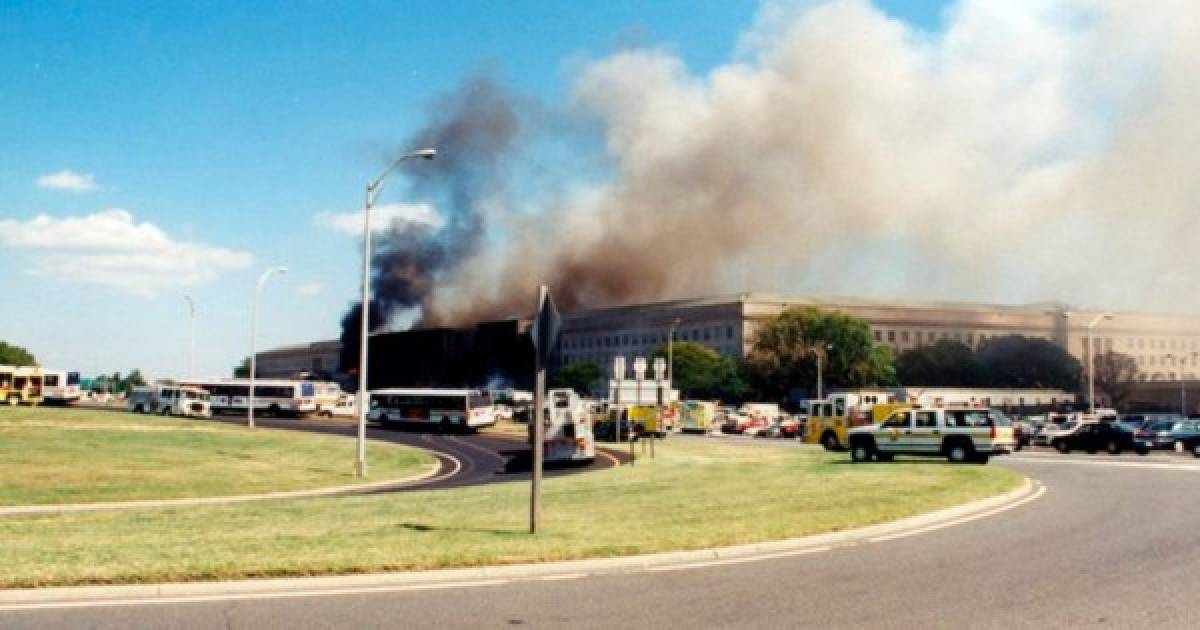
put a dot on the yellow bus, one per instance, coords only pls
(20, 385)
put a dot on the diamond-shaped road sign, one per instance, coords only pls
(546, 325)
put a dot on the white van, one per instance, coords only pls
(170, 400)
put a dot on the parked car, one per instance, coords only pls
(1159, 431)
(1049, 431)
(781, 427)
(1095, 436)
(958, 434)
(1190, 445)
(1182, 431)
(1023, 433)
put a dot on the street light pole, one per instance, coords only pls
(671, 351)
(373, 189)
(819, 351)
(1091, 354)
(262, 280)
(191, 336)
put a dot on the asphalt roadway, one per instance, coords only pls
(1112, 543)
(466, 459)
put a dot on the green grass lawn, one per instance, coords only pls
(53, 456)
(694, 494)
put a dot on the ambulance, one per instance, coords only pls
(696, 416)
(567, 428)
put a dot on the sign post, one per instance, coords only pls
(544, 335)
(618, 379)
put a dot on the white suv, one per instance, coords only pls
(958, 434)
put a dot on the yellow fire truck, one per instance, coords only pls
(830, 418)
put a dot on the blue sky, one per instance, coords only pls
(230, 125)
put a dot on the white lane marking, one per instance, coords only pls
(192, 599)
(728, 561)
(478, 448)
(966, 519)
(1155, 465)
(615, 462)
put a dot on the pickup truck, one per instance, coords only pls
(960, 435)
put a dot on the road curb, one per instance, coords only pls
(66, 597)
(329, 491)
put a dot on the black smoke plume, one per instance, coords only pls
(475, 128)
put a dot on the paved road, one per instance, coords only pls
(466, 459)
(1113, 543)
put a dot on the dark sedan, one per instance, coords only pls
(1102, 436)
(1191, 445)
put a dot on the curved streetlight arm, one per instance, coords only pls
(191, 336)
(373, 189)
(376, 185)
(253, 336)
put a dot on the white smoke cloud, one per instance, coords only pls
(383, 217)
(1027, 151)
(108, 248)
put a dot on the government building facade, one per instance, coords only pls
(1166, 347)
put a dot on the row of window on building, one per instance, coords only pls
(921, 337)
(627, 340)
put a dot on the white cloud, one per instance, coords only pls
(67, 179)
(309, 289)
(109, 249)
(382, 217)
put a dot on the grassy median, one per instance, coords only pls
(55, 456)
(694, 494)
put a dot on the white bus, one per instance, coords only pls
(170, 400)
(567, 428)
(447, 409)
(272, 397)
(60, 387)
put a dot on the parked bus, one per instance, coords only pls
(567, 428)
(272, 397)
(20, 385)
(60, 387)
(447, 409)
(170, 400)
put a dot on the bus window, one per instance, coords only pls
(839, 407)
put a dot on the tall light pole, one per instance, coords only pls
(819, 350)
(254, 335)
(1091, 354)
(373, 189)
(191, 336)
(671, 351)
(1182, 380)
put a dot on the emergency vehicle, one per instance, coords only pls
(959, 433)
(696, 416)
(567, 428)
(830, 418)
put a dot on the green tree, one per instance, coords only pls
(581, 377)
(1027, 362)
(1116, 373)
(785, 351)
(946, 363)
(242, 370)
(698, 371)
(15, 355)
(134, 379)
